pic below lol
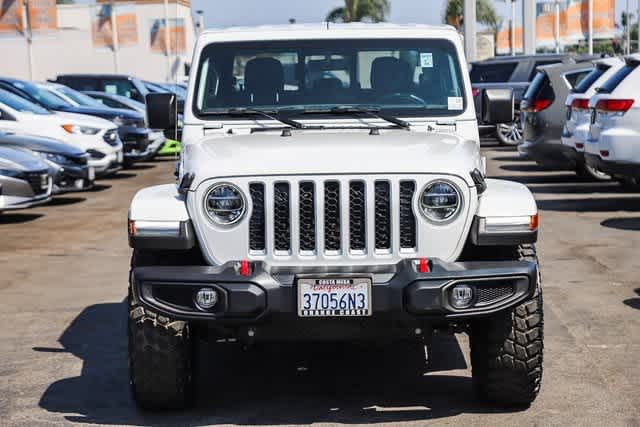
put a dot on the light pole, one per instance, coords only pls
(513, 27)
(627, 30)
(28, 35)
(469, 24)
(114, 35)
(556, 25)
(529, 26)
(167, 44)
(590, 12)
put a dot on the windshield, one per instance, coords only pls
(43, 96)
(79, 97)
(20, 104)
(403, 77)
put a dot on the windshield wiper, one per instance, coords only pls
(273, 115)
(372, 111)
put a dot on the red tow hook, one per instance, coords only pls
(423, 265)
(244, 268)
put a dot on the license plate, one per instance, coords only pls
(334, 297)
(92, 174)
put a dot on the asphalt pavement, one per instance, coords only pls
(63, 279)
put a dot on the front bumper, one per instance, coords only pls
(266, 301)
(613, 168)
(73, 178)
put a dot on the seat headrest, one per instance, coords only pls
(389, 74)
(263, 75)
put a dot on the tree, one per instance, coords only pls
(360, 10)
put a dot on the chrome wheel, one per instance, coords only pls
(510, 133)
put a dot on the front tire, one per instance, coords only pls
(161, 352)
(507, 347)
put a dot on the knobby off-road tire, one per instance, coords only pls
(507, 347)
(160, 348)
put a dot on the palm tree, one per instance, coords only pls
(360, 10)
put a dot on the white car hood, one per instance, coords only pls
(332, 152)
(85, 120)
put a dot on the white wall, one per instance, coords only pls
(70, 49)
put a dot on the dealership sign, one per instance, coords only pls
(43, 15)
(126, 26)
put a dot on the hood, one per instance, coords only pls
(106, 113)
(333, 152)
(20, 160)
(85, 120)
(39, 143)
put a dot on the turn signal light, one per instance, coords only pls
(533, 222)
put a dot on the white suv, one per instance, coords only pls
(98, 137)
(613, 142)
(576, 128)
(331, 188)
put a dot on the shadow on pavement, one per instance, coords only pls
(121, 175)
(140, 166)
(18, 218)
(65, 200)
(634, 302)
(580, 188)
(609, 204)
(99, 187)
(631, 224)
(276, 384)
(528, 167)
(542, 179)
(514, 158)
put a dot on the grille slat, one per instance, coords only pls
(383, 215)
(281, 217)
(307, 215)
(407, 217)
(332, 229)
(357, 217)
(256, 222)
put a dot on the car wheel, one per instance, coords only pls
(593, 174)
(510, 133)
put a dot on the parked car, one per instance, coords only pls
(613, 143)
(305, 214)
(576, 128)
(544, 114)
(68, 165)
(156, 88)
(512, 72)
(131, 126)
(24, 179)
(157, 139)
(175, 88)
(97, 137)
(121, 84)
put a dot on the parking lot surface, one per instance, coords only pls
(63, 279)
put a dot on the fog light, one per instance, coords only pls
(206, 298)
(461, 296)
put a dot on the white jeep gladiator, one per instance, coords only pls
(330, 188)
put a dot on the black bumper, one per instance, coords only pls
(267, 298)
(618, 169)
(135, 142)
(70, 179)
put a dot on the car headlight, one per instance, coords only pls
(440, 201)
(225, 204)
(80, 130)
(55, 158)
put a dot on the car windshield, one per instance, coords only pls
(43, 96)
(401, 76)
(79, 97)
(20, 104)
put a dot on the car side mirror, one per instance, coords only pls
(497, 106)
(162, 112)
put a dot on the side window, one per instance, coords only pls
(119, 87)
(492, 73)
(576, 77)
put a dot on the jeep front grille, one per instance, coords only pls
(352, 216)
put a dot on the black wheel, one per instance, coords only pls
(507, 347)
(510, 133)
(590, 173)
(160, 348)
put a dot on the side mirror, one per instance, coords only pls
(497, 106)
(162, 112)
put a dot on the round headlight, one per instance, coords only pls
(225, 204)
(440, 201)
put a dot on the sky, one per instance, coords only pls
(224, 13)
